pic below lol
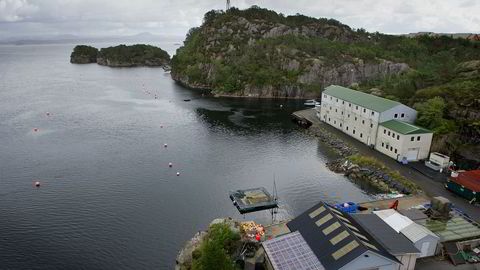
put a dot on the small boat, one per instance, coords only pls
(187, 99)
(311, 102)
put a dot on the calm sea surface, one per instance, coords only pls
(108, 199)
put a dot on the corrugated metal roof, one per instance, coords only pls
(333, 240)
(404, 127)
(365, 100)
(415, 232)
(394, 219)
(469, 179)
(395, 243)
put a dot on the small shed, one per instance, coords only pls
(393, 219)
(422, 238)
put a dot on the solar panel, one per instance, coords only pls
(370, 245)
(331, 228)
(345, 249)
(291, 252)
(344, 219)
(335, 210)
(361, 236)
(317, 212)
(324, 219)
(351, 227)
(339, 237)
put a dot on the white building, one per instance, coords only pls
(360, 115)
(403, 141)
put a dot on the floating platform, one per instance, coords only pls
(252, 200)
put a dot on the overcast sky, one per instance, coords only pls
(175, 17)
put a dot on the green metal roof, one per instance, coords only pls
(404, 127)
(372, 102)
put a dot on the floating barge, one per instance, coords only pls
(252, 200)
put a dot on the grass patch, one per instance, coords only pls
(395, 175)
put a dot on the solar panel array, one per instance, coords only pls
(290, 252)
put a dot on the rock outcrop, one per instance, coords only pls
(122, 56)
(259, 53)
(83, 54)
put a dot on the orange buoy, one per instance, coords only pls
(170, 164)
(37, 183)
(178, 173)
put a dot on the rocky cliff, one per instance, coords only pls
(257, 52)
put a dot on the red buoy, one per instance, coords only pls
(37, 183)
(165, 145)
(35, 129)
(170, 164)
(47, 113)
(178, 173)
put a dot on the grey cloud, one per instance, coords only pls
(175, 17)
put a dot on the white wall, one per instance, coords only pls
(430, 243)
(402, 143)
(373, 261)
(356, 121)
(408, 261)
(402, 113)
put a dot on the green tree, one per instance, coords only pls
(431, 115)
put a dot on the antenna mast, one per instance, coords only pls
(228, 5)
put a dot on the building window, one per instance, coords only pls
(340, 124)
(364, 110)
(330, 107)
(384, 131)
(330, 98)
(396, 115)
(389, 133)
(335, 110)
(356, 107)
(403, 115)
(355, 118)
(337, 99)
(347, 127)
(343, 102)
(361, 135)
(418, 138)
(393, 135)
(354, 131)
(383, 144)
(373, 113)
(398, 137)
(363, 122)
(395, 150)
(325, 96)
(335, 122)
(329, 119)
(349, 104)
(371, 125)
(348, 115)
(342, 112)
(412, 138)
(391, 148)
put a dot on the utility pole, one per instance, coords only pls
(228, 5)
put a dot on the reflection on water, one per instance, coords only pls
(108, 199)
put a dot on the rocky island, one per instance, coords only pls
(122, 56)
(83, 54)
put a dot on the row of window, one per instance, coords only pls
(348, 116)
(401, 115)
(350, 105)
(384, 145)
(392, 134)
(335, 122)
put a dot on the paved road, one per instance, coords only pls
(431, 187)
